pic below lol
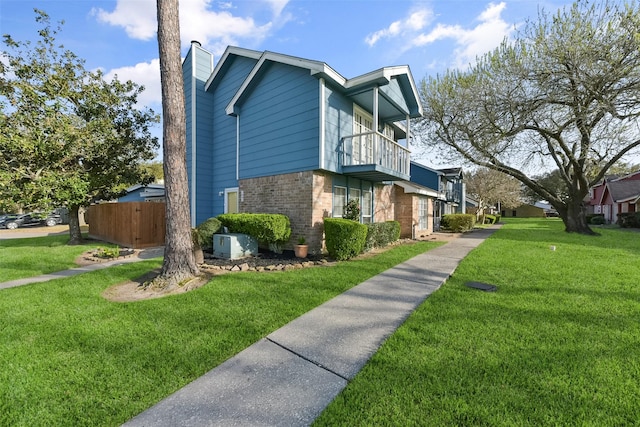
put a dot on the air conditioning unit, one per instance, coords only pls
(234, 246)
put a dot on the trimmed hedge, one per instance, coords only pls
(205, 231)
(458, 222)
(629, 220)
(380, 234)
(271, 229)
(344, 238)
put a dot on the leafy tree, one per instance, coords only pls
(489, 187)
(563, 94)
(552, 181)
(154, 169)
(179, 261)
(67, 137)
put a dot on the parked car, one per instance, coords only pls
(14, 221)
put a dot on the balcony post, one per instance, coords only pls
(376, 140)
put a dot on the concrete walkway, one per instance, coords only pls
(289, 377)
(139, 256)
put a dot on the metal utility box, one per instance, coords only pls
(234, 245)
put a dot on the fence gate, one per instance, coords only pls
(128, 224)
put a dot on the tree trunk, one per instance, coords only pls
(574, 216)
(75, 234)
(179, 263)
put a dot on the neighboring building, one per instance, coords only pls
(272, 133)
(450, 188)
(615, 195)
(144, 193)
(525, 211)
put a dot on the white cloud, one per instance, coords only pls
(215, 29)
(138, 18)
(146, 74)
(416, 21)
(471, 43)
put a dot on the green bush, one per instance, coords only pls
(629, 220)
(270, 229)
(380, 234)
(344, 238)
(597, 219)
(205, 231)
(458, 222)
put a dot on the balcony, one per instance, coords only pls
(371, 156)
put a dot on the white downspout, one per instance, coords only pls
(237, 147)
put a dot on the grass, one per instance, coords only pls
(557, 344)
(68, 357)
(34, 256)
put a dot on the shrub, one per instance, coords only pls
(380, 234)
(344, 238)
(458, 222)
(629, 220)
(352, 210)
(205, 231)
(490, 219)
(597, 219)
(271, 229)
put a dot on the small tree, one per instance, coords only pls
(67, 137)
(489, 187)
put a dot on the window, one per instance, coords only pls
(422, 213)
(366, 208)
(513, 213)
(339, 201)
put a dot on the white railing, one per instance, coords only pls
(373, 148)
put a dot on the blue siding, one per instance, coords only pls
(222, 163)
(188, 84)
(204, 155)
(279, 123)
(339, 123)
(393, 91)
(134, 196)
(424, 176)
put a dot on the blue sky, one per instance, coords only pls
(352, 36)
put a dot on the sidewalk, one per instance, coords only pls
(139, 256)
(289, 377)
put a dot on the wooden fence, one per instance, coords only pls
(129, 224)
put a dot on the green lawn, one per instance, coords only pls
(30, 257)
(557, 344)
(68, 357)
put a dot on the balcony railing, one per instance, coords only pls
(373, 148)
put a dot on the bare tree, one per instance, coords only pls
(563, 95)
(489, 187)
(179, 262)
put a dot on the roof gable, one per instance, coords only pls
(398, 92)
